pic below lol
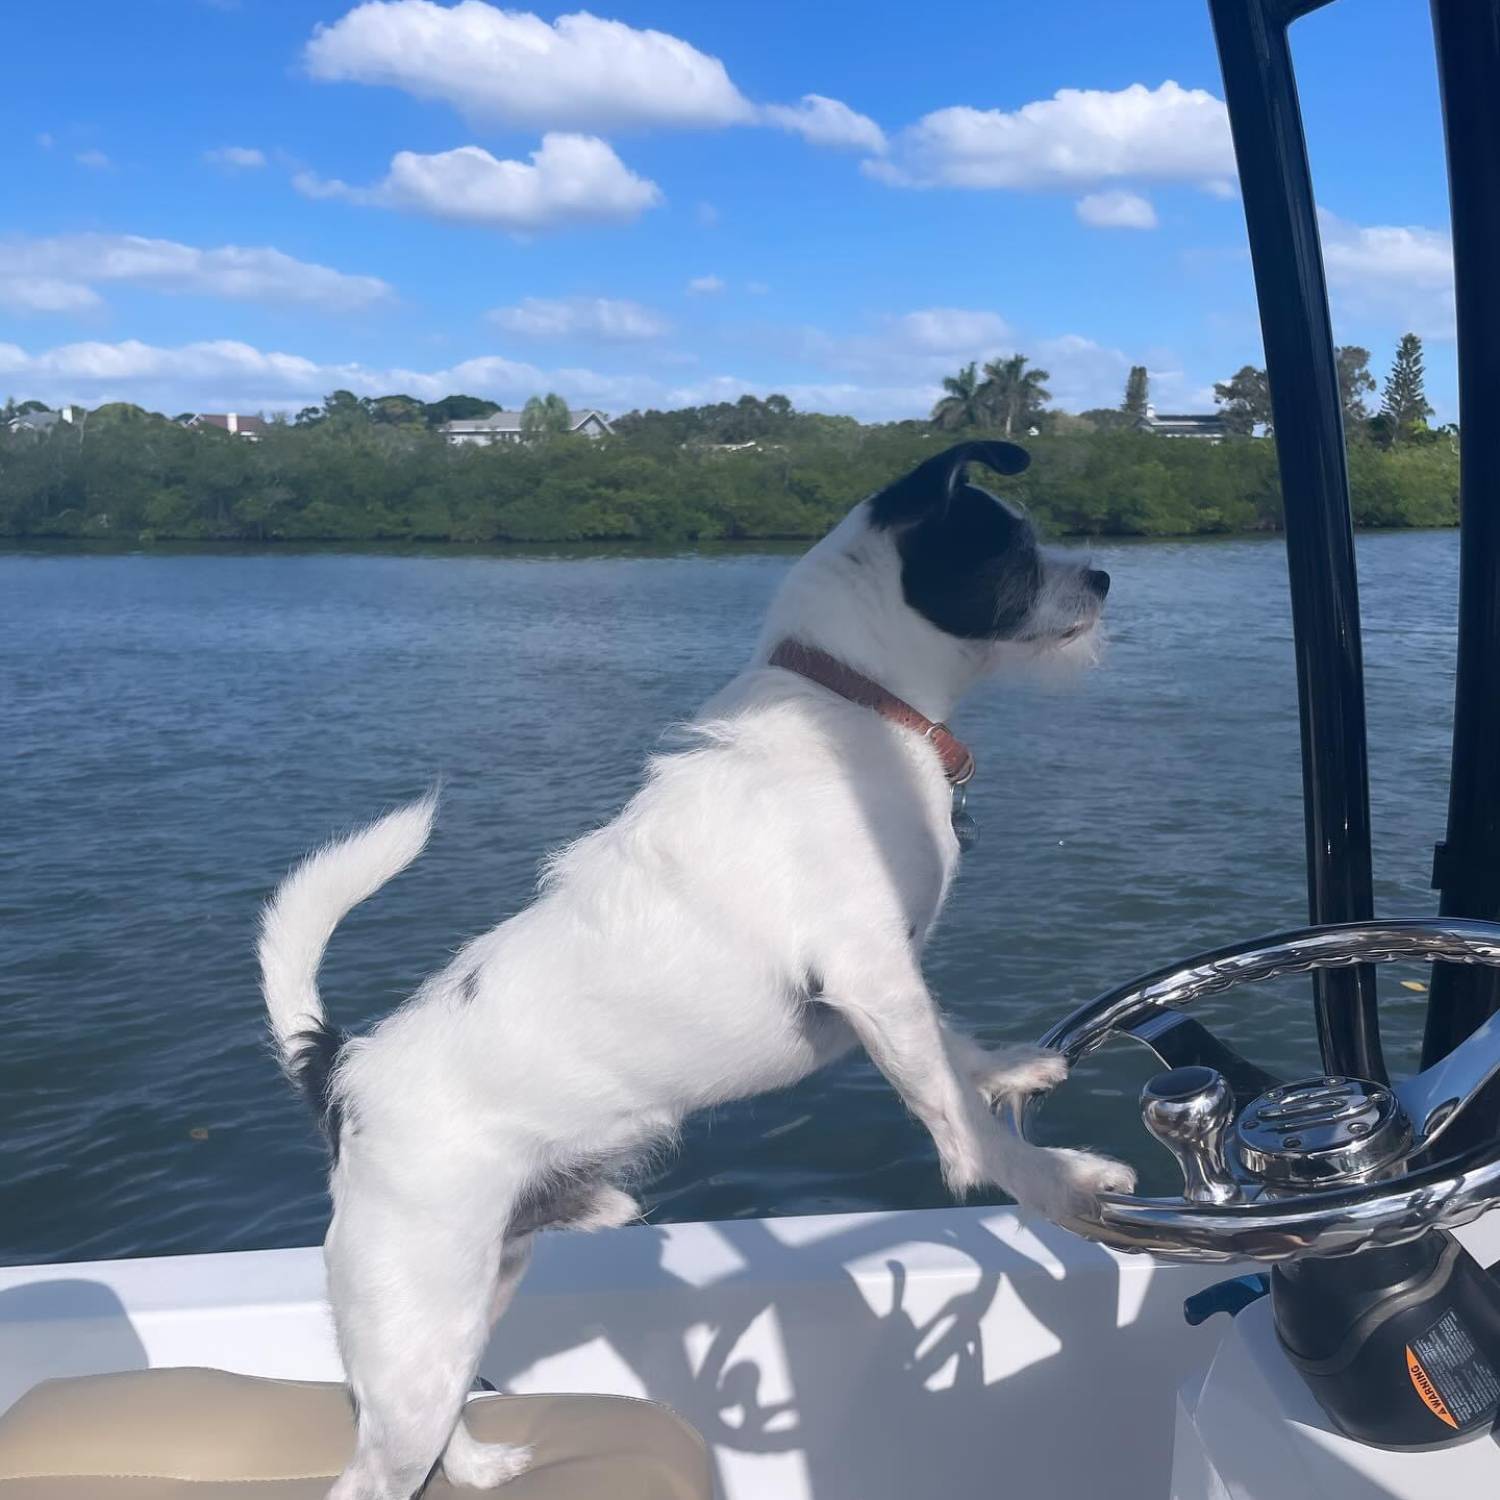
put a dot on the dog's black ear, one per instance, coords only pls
(933, 482)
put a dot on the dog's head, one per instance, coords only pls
(969, 561)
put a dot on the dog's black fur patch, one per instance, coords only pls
(313, 1055)
(973, 569)
(969, 560)
(935, 480)
(558, 1199)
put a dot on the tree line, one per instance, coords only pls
(1010, 396)
(1402, 417)
(368, 469)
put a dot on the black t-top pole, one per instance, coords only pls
(1467, 867)
(1261, 93)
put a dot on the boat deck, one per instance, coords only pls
(852, 1357)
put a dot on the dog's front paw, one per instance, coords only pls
(1009, 1072)
(483, 1466)
(1067, 1184)
(1090, 1174)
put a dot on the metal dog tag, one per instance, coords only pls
(965, 829)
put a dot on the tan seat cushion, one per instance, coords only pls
(194, 1434)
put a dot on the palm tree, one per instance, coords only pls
(962, 406)
(1011, 394)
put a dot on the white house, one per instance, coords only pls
(230, 422)
(39, 422)
(1205, 426)
(505, 427)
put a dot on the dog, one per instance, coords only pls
(758, 909)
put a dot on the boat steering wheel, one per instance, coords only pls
(1277, 1170)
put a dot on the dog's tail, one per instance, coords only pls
(295, 929)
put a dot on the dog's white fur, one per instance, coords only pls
(756, 910)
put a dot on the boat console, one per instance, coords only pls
(1365, 1362)
(1346, 1187)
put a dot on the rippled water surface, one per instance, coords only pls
(178, 729)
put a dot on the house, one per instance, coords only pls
(1206, 426)
(39, 423)
(505, 427)
(230, 422)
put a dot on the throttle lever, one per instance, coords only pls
(1189, 1110)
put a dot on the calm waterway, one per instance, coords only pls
(179, 728)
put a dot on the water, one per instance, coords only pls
(178, 729)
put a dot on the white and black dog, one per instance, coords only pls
(758, 909)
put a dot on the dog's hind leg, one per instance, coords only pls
(413, 1261)
(586, 1206)
(466, 1461)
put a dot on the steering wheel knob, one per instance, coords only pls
(1189, 1110)
(1323, 1133)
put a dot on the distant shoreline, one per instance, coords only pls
(626, 547)
(136, 483)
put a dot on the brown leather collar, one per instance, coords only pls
(829, 672)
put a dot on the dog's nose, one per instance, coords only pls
(1098, 580)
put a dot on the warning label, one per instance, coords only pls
(1427, 1390)
(1455, 1381)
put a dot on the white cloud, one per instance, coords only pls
(1081, 373)
(1075, 139)
(226, 375)
(919, 346)
(609, 319)
(950, 330)
(235, 158)
(61, 271)
(707, 215)
(1401, 274)
(905, 359)
(869, 403)
(571, 179)
(94, 159)
(826, 122)
(578, 73)
(705, 286)
(1116, 209)
(46, 294)
(1085, 374)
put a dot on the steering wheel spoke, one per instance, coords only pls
(1434, 1099)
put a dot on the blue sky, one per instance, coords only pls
(214, 205)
